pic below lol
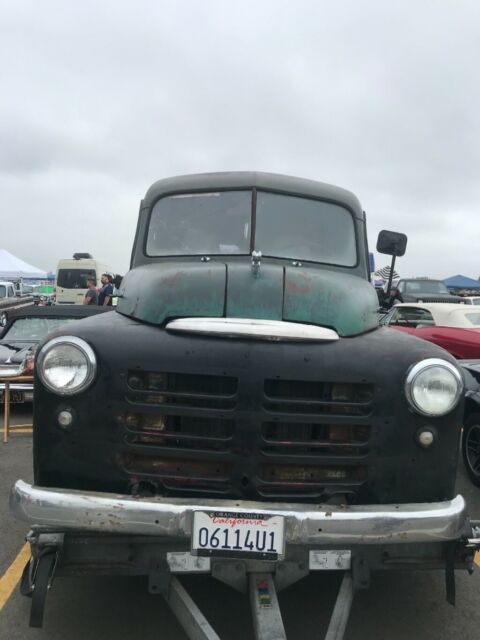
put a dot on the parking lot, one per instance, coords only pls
(398, 605)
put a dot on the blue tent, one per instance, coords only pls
(461, 282)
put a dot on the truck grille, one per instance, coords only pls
(175, 423)
(296, 396)
(284, 438)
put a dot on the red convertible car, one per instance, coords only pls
(455, 327)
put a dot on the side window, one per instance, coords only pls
(401, 287)
(11, 292)
(413, 317)
(424, 318)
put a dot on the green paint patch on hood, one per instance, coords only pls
(156, 293)
(346, 303)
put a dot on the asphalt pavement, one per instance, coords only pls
(398, 605)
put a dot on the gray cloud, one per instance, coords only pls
(101, 99)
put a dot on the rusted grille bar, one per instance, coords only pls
(182, 390)
(185, 383)
(312, 473)
(176, 467)
(317, 439)
(313, 397)
(177, 431)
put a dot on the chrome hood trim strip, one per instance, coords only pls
(275, 330)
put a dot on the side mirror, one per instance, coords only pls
(391, 243)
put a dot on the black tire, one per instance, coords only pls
(471, 447)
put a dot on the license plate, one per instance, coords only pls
(225, 533)
(16, 397)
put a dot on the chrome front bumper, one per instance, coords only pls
(59, 510)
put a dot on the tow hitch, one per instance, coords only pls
(63, 554)
(262, 587)
(164, 564)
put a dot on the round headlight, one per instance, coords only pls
(66, 365)
(433, 387)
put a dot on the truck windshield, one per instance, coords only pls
(426, 286)
(201, 223)
(304, 229)
(74, 278)
(3, 291)
(221, 224)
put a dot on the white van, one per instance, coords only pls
(72, 275)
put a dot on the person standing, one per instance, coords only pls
(91, 296)
(394, 298)
(105, 294)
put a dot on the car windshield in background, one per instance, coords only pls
(74, 278)
(411, 316)
(3, 291)
(426, 286)
(304, 229)
(201, 224)
(473, 318)
(220, 224)
(34, 328)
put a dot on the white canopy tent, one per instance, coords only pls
(12, 268)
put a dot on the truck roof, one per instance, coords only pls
(252, 179)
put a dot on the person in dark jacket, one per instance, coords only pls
(105, 294)
(394, 297)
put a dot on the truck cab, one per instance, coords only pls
(7, 291)
(426, 290)
(11, 299)
(247, 406)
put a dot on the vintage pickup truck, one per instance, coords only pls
(242, 414)
(11, 299)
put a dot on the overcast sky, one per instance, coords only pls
(100, 99)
